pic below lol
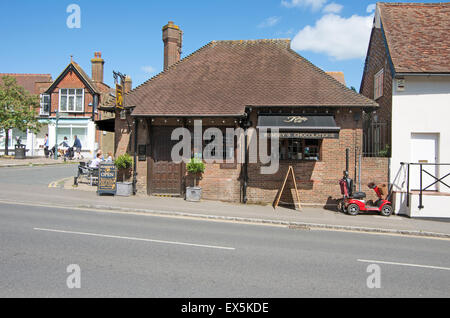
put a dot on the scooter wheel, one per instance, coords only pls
(353, 209)
(386, 210)
(340, 205)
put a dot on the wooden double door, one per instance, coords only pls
(164, 176)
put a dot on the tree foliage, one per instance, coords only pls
(17, 108)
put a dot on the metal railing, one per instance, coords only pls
(423, 188)
(375, 138)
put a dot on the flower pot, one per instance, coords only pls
(124, 175)
(124, 189)
(193, 194)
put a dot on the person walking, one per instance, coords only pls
(77, 147)
(46, 143)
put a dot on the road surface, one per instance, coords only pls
(129, 255)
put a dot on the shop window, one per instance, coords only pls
(300, 149)
(14, 134)
(225, 152)
(70, 132)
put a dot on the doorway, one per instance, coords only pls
(424, 149)
(164, 175)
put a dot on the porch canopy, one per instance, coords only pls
(106, 124)
(300, 126)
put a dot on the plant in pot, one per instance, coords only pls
(195, 168)
(124, 165)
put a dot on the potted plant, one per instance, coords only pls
(124, 165)
(195, 168)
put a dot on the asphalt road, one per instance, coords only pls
(39, 176)
(127, 255)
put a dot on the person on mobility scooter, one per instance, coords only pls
(353, 203)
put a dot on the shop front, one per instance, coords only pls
(264, 92)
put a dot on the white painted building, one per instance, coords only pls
(407, 71)
(421, 134)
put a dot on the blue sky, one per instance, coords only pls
(332, 34)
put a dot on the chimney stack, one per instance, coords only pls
(97, 67)
(172, 38)
(128, 85)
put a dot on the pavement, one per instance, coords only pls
(60, 192)
(144, 246)
(9, 161)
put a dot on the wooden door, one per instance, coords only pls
(164, 175)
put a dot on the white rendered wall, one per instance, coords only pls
(424, 107)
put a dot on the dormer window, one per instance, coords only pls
(71, 100)
(378, 84)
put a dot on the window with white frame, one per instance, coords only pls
(45, 104)
(71, 100)
(378, 84)
(70, 131)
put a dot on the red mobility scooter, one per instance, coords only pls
(353, 202)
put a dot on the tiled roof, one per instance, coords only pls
(223, 77)
(29, 81)
(84, 77)
(418, 36)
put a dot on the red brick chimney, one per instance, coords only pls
(172, 38)
(128, 84)
(97, 67)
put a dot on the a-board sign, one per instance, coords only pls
(107, 175)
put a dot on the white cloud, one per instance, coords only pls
(338, 37)
(269, 22)
(315, 5)
(333, 8)
(148, 69)
(371, 8)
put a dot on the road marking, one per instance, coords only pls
(403, 264)
(135, 239)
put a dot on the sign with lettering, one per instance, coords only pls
(119, 96)
(107, 175)
(296, 119)
(303, 135)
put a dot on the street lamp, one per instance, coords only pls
(56, 136)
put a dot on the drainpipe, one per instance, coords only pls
(135, 155)
(246, 123)
(244, 188)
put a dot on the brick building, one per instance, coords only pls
(77, 97)
(407, 72)
(256, 85)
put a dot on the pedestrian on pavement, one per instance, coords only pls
(77, 147)
(46, 152)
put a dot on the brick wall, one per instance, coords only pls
(71, 80)
(377, 59)
(317, 181)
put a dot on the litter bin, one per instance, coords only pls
(19, 151)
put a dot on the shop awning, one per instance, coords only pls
(301, 126)
(106, 124)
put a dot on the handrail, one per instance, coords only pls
(421, 187)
